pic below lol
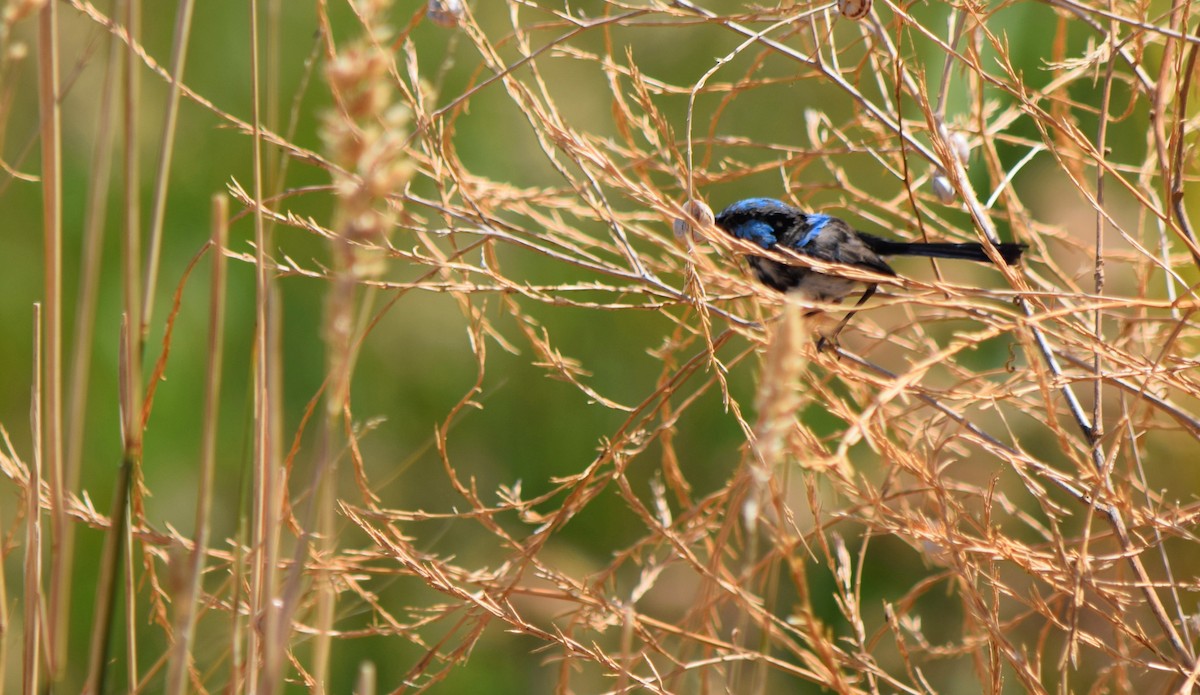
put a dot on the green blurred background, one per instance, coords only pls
(417, 363)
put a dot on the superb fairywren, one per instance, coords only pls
(773, 224)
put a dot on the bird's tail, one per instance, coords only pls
(1011, 253)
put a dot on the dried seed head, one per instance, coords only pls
(367, 137)
(699, 215)
(960, 146)
(854, 9)
(942, 188)
(445, 13)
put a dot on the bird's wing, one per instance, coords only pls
(830, 239)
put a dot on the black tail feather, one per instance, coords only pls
(1011, 253)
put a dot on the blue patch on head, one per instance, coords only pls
(816, 222)
(756, 206)
(756, 231)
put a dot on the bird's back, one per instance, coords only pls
(774, 225)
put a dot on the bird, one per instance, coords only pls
(773, 225)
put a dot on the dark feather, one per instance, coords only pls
(772, 224)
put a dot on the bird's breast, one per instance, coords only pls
(813, 286)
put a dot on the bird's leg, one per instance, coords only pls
(831, 341)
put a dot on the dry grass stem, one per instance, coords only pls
(494, 405)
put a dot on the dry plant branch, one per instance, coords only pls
(576, 438)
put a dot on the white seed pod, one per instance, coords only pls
(698, 214)
(445, 13)
(960, 146)
(854, 9)
(942, 188)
